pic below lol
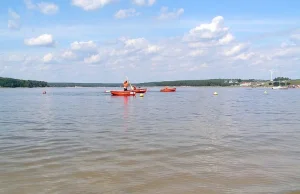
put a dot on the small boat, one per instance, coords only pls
(168, 90)
(122, 93)
(140, 90)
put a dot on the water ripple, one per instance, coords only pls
(79, 140)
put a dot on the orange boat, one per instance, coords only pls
(140, 90)
(122, 93)
(168, 90)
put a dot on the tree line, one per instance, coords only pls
(15, 83)
(281, 79)
(12, 83)
(209, 82)
(84, 84)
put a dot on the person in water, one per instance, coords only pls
(125, 85)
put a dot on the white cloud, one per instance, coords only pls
(125, 13)
(228, 38)
(210, 44)
(84, 46)
(42, 40)
(14, 22)
(89, 5)
(244, 56)
(143, 2)
(153, 49)
(43, 7)
(196, 53)
(165, 14)
(48, 58)
(48, 8)
(235, 49)
(137, 43)
(93, 59)
(69, 55)
(214, 32)
(288, 52)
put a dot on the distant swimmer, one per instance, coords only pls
(44, 92)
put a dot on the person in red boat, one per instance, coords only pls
(125, 85)
(134, 87)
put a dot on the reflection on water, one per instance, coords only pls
(81, 140)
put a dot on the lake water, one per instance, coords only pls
(82, 140)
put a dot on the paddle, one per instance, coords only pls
(129, 84)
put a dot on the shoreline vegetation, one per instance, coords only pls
(15, 83)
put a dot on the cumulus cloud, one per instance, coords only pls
(153, 49)
(48, 8)
(235, 50)
(45, 40)
(89, 5)
(213, 33)
(244, 56)
(69, 55)
(14, 21)
(228, 38)
(93, 59)
(44, 7)
(125, 13)
(208, 46)
(82, 46)
(48, 58)
(143, 2)
(288, 52)
(136, 43)
(165, 14)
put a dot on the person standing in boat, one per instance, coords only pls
(125, 85)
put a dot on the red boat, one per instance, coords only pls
(168, 90)
(140, 90)
(122, 93)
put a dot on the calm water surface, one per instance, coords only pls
(81, 140)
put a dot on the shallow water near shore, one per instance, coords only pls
(82, 140)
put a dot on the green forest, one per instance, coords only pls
(84, 84)
(210, 82)
(15, 83)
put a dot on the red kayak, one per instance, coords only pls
(168, 90)
(140, 90)
(122, 93)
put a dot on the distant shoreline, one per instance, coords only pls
(234, 83)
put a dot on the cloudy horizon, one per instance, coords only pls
(148, 40)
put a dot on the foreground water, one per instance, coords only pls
(81, 140)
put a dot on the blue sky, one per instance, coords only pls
(148, 40)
